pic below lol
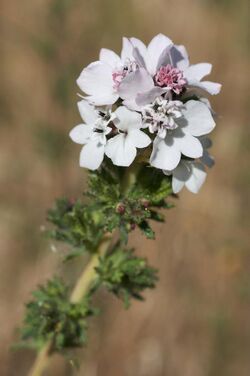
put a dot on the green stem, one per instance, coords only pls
(130, 177)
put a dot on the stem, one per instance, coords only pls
(42, 360)
(129, 177)
(85, 279)
(80, 289)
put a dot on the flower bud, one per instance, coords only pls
(145, 203)
(120, 208)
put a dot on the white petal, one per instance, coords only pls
(127, 50)
(126, 119)
(121, 151)
(180, 176)
(87, 112)
(81, 133)
(141, 61)
(139, 52)
(177, 185)
(212, 88)
(131, 104)
(197, 71)
(109, 57)
(179, 57)
(135, 83)
(155, 48)
(96, 81)
(91, 155)
(137, 43)
(197, 178)
(102, 100)
(188, 145)
(207, 103)
(149, 96)
(139, 138)
(198, 117)
(164, 57)
(165, 155)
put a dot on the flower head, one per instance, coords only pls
(155, 86)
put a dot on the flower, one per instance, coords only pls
(168, 65)
(101, 79)
(92, 134)
(161, 115)
(139, 87)
(156, 84)
(122, 147)
(196, 121)
(191, 174)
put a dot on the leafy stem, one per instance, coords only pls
(81, 288)
(117, 201)
(86, 279)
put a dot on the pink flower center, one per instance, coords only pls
(118, 77)
(170, 77)
(119, 74)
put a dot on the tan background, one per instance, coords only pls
(196, 323)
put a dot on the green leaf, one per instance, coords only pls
(51, 316)
(125, 274)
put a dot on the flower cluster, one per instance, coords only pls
(150, 98)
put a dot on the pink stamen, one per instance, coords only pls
(119, 74)
(118, 77)
(170, 77)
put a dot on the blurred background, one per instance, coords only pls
(196, 323)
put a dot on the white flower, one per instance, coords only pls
(139, 88)
(169, 65)
(191, 174)
(161, 115)
(101, 79)
(92, 134)
(196, 121)
(193, 74)
(122, 147)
